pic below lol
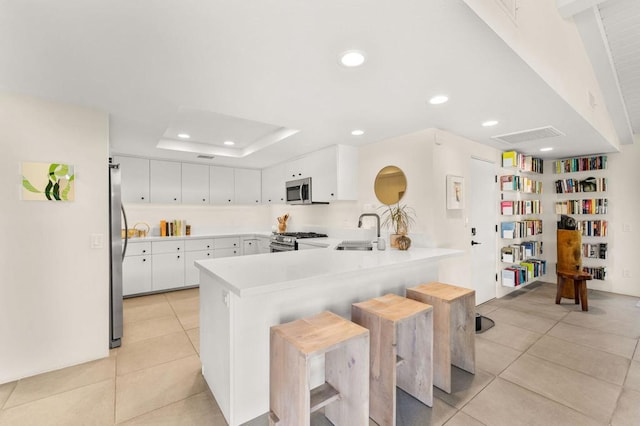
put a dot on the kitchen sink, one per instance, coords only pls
(363, 245)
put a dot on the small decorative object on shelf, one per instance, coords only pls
(399, 218)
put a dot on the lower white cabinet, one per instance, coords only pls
(167, 271)
(136, 275)
(191, 273)
(250, 246)
(151, 266)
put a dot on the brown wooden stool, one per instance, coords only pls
(401, 352)
(345, 393)
(580, 279)
(454, 328)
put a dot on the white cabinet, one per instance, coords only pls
(136, 269)
(199, 249)
(226, 247)
(263, 244)
(222, 185)
(135, 178)
(250, 246)
(273, 181)
(165, 181)
(333, 172)
(168, 264)
(195, 184)
(247, 186)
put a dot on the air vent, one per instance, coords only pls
(529, 135)
(206, 157)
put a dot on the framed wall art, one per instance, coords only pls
(455, 192)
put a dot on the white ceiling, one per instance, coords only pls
(265, 74)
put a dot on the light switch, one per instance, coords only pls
(626, 227)
(97, 241)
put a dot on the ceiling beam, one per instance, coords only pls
(569, 8)
(594, 38)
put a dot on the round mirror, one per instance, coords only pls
(390, 185)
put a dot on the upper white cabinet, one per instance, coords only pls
(273, 179)
(195, 183)
(247, 186)
(166, 178)
(333, 172)
(135, 178)
(222, 185)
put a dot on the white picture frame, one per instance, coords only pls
(455, 192)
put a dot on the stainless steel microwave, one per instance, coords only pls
(299, 191)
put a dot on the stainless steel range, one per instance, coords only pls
(287, 241)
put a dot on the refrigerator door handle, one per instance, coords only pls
(126, 232)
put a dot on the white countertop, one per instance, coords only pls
(200, 236)
(263, 273)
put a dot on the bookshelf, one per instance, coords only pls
(581, 187)
(521, 226)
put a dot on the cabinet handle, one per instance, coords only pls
(144, 260)
(269, 200)
(144, 251)
(204, 199)
(208, 254)
(178, 256)
(178, 248)
(175, 199)
(208, 247)
(142, 198)
(332, 194)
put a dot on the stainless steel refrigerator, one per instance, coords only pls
(116, 255)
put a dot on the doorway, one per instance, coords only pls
(482, 223)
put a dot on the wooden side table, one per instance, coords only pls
(453, 328)
(401, 352)
(580, 279)
(345, 393)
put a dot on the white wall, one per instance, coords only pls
(54, 287)
(553, 48)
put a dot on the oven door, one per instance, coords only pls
(299, 191)
(277, 247)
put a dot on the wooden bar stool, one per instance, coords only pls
(453, 328)
(401, 352)
(345, 393)
(580, 279)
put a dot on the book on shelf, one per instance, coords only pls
(509, 159)
(598, 273)
(594, 251)
(506, 208)
(523, 162)
(580, 164)
(507, 230)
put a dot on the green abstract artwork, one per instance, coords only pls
(48, 181)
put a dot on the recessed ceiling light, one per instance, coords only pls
(546, 149)
(352, 58)
(229, 143)
(357, 132)
(439, 99)
(489, 123)
(184, 135)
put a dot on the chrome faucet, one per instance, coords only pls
(372, 215)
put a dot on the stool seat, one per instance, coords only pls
(580, 279)
(401, 352)
(453, 328)
(345, 393)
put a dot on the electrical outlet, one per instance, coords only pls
(626, 273)
(626, 227)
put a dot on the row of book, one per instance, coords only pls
(595, 251)
(598, 273)
(521, 252)
(523, 162)
(591, 206)
(520, 207)
(516, 275)
(566, 186)
(520, 184)
(592, 228)
(598, 162)
(174, 228)
(520, 229)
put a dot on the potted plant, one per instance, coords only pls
(399, 218)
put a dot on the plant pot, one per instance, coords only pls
(393, 240)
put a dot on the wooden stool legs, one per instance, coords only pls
(580, 279)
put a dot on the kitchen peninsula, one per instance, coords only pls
(241, 297)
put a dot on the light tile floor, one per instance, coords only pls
(542, 364)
